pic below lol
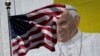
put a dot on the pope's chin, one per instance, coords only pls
(60, 38)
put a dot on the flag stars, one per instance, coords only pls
(19, 26)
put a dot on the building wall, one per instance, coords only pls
(4, 37)
(1, 42)
(25, 6)
(89, 11)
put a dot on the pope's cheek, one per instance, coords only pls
(60, 39)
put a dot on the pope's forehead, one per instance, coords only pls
(64, 15)
(61, 19)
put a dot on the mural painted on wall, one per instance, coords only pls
(89, 12)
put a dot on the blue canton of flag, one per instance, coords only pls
(19, 25)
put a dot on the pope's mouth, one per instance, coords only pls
(61, 34)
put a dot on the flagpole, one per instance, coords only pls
(7, 4)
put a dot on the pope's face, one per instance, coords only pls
(66, 27)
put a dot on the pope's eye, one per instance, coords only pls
(62, 23)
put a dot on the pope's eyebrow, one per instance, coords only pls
(62, 22)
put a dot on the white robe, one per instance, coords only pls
(90, 46)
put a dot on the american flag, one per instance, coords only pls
(34, 29)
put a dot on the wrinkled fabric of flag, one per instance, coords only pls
(34, 29)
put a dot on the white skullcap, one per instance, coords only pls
(72, 11)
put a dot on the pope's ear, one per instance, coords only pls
(77, 19)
